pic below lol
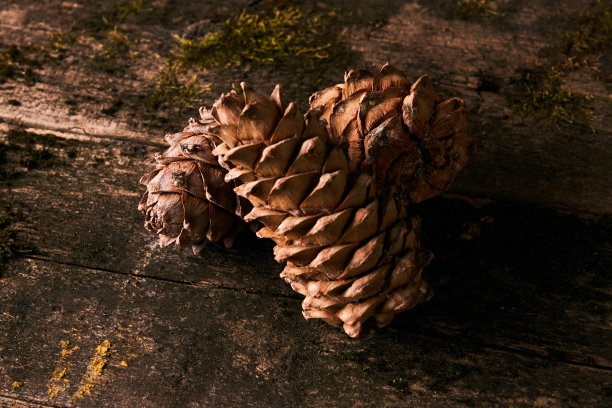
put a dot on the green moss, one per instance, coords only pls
(444, 373)
(292, 42)
(584, 42)
(116, 50)
(539, 90)
(111, 15)
(53, 47)
(288, 35)
(465, 9)
(124, 9)
(173, 93)
(19, 62)
(590, 32)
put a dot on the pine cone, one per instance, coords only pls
(408, 135)
(187, 199)
(349, 246)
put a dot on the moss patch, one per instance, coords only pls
(584, 42)
(589, 32)
(287, 36)
(173, 92)
(291, 42)
(466, 9)
(538, 90)
(100, 32)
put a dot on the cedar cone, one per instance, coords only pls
(408, 135)
(349, 245)
(187, 199)
(330, 188)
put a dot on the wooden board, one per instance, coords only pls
(521, 313)
(175, 344)
(224, 319)
(521, 158)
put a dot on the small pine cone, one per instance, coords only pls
(187, 199)
(348, 243)
(405, 133)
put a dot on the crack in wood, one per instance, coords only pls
(162, 279)
(9, 401)
(428, 333)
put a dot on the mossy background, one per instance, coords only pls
(302, 45)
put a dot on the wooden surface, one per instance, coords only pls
(521, 313)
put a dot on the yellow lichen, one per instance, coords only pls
(17, 384)
(55, 389)
(103, 349)
(57, 382)
(124, 363)
(59, 374)
(95, 369)
(65, 351)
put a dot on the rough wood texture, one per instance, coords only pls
(521, 315)
(520, 158)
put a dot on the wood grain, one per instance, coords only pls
(521, 313)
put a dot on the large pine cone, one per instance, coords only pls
(187, 199)
(349, 246)
(408, 135)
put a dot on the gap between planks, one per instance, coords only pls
(83, 135)
(10, 401)
(428, 332)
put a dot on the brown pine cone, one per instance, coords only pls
(407, 135)
(349, 246)
(187, 199)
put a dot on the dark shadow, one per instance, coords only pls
(509, 270)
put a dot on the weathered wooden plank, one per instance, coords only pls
(9, 402)
(521, 313)
(83, 210)
(520, 158)
(525, 280)
(157, 344)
